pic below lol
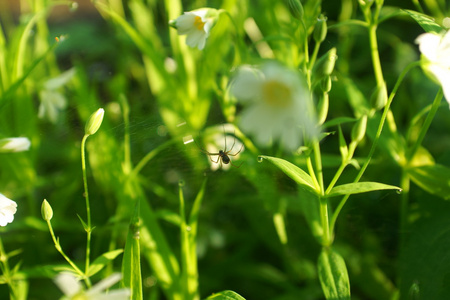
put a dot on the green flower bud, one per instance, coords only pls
(326, 84)
(322, 109)
(325, 65)
(320, 30)
(379, 97)
(46, 211)
(359, 129)
(94, 122)
(295, 8)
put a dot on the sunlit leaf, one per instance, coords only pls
(226, 295)
(426, 22)
(360, 187)
(100, 262)
(295, 173)
(434, 179)
(333, 275)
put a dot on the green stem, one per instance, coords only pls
(61, 251)
(375, 141)
(426, 125)
(88, 207)
(404, 184)
(375, 54)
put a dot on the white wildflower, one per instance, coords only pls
(196, 25)
(52, 100)
(278, 105)
(8, 208)
(16, 144)
(436, 51)
(73, 289)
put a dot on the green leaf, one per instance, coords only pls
(434, 179)
(426, 22)
(339, 121)
(360, 187)
(226, 295)
(100, 262)
(295, 173)
(131, 264)
(333, 275)
(85, 226)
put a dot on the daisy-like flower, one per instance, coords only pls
(278, 105)
(196, 25)
(73, 289)
(16, 144)
(8, 208)
(435, 49)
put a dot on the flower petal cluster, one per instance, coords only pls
(196, 25)
(16, 144)
(435, 49)
(52, 100)
(278, 105)
(8, 208)
(73, 289)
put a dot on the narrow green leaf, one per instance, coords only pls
(85, 226)
(333, 275)
(131, 264)
(280, 227)
(100, 262)
(295, 173)
(360, 187)
(426, 22)
(434, 179)
(226, 295)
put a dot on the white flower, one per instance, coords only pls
(7, 210)
(73, 289)
(436, 50)
(53, 101)
(196, 25)
(17, 144)
(278, 105)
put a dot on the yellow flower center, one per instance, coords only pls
(277, 94)
(198, 23)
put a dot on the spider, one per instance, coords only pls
(223, 156)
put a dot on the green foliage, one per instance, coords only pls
(181, 220)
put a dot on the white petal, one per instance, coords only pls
(196, 38)
(121, 294)
(60, 80)
(14, 144)
(428, 45)
(246, 84)
(68, 284)
(443, 76)
(105, 283)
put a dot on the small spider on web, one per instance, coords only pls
(223, 156)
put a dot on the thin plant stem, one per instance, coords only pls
(375, 141)
(88, 207)
(61, 251)
(426, 125)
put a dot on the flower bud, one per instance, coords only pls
(46, 211)
(326, 84)
(94, 122)
(325, 64)
(320, 30)
(379, 97)
(295, 8)
(359, 129)
(322, 109)
(19, 144)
